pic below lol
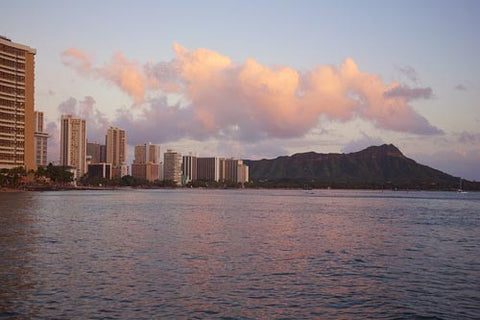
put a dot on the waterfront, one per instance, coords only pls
(240, 254)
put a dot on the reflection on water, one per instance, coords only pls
(239, 254)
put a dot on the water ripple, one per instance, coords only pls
(253, 254)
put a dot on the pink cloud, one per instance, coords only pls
(77, 59)
(127, 74)
(251, 101)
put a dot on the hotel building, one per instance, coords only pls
(208, 169)
(146, 164)
(189, 168)
(41, 140)
(16, 105)
(116, 145)
(73, 144)
(234, 170)
(172, 166)
(147, 152)
(94, 150)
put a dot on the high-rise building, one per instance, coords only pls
(234, 170)
(41, 140)
(243, 175)
(103, 153)
(147, 152)
(94, 151)
(208, 169)
(146, 164)
(189, 168)
(116, 144)
(172, 166)
(148, 171)
(17, 145)
(160, 171)
(73, 143)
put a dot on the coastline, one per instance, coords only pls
(113, 188)
(10, 190)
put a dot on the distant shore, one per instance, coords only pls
(93, 188)
(56, 188)
(10, 190)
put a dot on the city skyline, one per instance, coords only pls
(324, 77)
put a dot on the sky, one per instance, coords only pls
(261, 79)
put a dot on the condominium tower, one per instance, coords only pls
(147, 152)
(41, 139)
(208, 169)
(73, 144)
(116, 144)
(172, 166)
(146, 164)
(234, 170)
(96, 151)
(189, 168)
(16, 105)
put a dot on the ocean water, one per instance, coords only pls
(239, 254)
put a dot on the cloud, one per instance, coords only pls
(409, 93)
(77, 59)
(464, 165)
(468, 137)
(410, 73)
(160, 123)
(53, 147)
(127, 74)
(68, 106)
(361, 143)
(249, 101)
(97, 122)
(258, 150)
(460, 87)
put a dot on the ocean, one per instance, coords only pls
(239, 254)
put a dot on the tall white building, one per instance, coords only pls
(73, 143)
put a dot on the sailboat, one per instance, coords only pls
(460, 189)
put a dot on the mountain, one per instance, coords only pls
(382, 166)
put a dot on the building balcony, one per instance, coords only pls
(12, 83)
(16, 69)
(13, 123)
(9, 55)
(12, 95)
(5, 111)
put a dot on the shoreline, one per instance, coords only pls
(10, 190)
(120, 188)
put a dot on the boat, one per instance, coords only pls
(460, 189)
